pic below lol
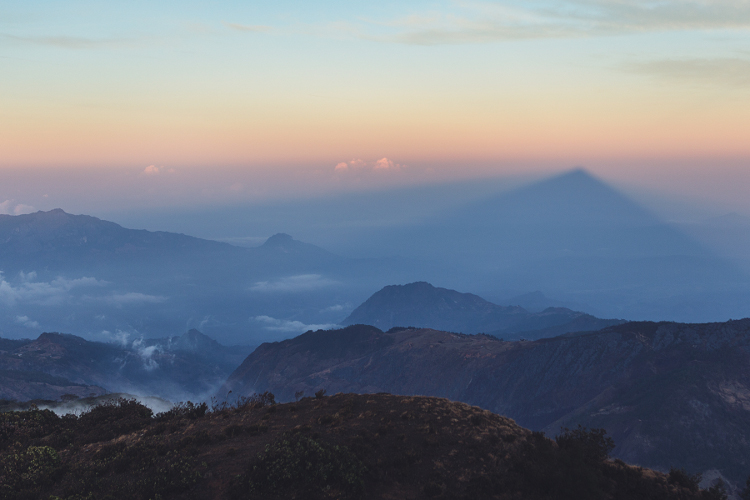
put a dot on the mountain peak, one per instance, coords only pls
(193, 340)
(279, 240)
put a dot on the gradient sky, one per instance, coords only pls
(190, 102)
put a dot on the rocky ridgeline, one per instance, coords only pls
(670, 394)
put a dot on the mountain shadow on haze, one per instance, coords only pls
(571, 236)
(578, 239)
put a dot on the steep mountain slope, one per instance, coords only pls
(423, 305)
(186, 367)
(670, 394)
(344, 446)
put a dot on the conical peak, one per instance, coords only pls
(279, 239)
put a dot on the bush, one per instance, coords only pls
(187, 410)
(114, 418)
(296, 463)
(716, 492)
(27, 424)
(257, 400)
(680, 477)
(591, 445)
(31, 469)
(571, 467)
(745, 493)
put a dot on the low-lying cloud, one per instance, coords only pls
(132, 298)
(9, 207)
(286, 326)
(298, 283)
(28, 323)
(147, 354)
(54, 292)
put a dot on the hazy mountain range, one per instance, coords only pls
(670, 394)
(571, 238)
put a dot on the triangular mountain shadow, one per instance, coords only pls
(577, 238)
(572, 198)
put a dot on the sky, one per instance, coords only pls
(111, 105)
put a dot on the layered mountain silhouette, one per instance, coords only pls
(423, 305)
(79, 273)
(671, 394)
(571, 237)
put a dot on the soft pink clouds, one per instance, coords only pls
(154, 170)
(383, 164)
(386, 164)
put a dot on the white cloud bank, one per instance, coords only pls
(53, 293)
(28, 323)
(298, 283)
(131, 298)
(286, 326)
(8, 207)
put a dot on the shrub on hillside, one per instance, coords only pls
(187, 410)
(28, 424)
(114, 418)
(29, 470)
(680, 477)
(587, 445)
(302, 465)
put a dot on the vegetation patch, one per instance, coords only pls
(297, 466)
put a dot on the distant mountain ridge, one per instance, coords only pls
(55, 237)
(80, 273)
(670, 394)
(423, 305)
(178, 368)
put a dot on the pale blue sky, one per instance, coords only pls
(275, 95)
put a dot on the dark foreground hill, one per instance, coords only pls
(339, 447)
(422, 305)
(670, 394)
(187, 366)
